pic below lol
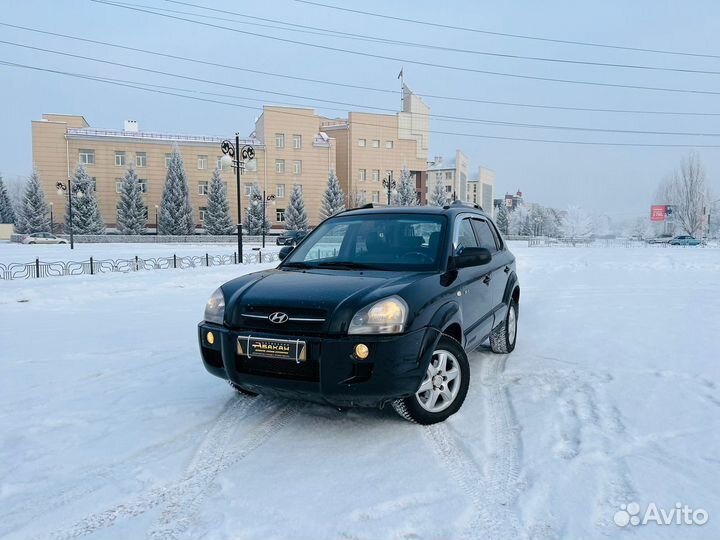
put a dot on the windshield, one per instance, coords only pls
(380, 241)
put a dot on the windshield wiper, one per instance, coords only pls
(297, 264)
(346, 264)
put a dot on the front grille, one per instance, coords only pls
(302, 321)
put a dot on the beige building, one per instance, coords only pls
(371, 147)
(60, 142)
(453, 173)
(481, 189)
(292, 146)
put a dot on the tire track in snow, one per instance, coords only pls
(213, 449)
(182, 509)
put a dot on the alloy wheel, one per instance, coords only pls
(441, 383)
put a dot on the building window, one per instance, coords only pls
(202, 162)
(218, 162)
(119, 159)
(280, 214)
(362, 142)
(118, 185)
(448, 188)
(141, 159)
(376, 175)
(297, 167)
(362, 174)
(448, 175)
(375, 196)
(143, 184)
(297, 142)
(87, 157)
(248, 189)
(203, 187)
(168, 157)
(203, 211)
(279, 140)
(376, 143)
(280, 191)
(280, 166)
(389, 145)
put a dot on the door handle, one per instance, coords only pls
(507, 269)
(486, 279)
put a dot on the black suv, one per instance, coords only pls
(290, 238)
(375, 306)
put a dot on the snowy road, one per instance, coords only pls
(110, 427)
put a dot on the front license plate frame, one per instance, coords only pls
(283, 349)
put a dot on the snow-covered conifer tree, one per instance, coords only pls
(502, 218)
(131, 211)
(33, 215)
(7, 212)
(333, 199)
(217, 216)
(406, 195)
(86, 213)
(296, 218)
(438, 195)
(176, 216)
(256, 219)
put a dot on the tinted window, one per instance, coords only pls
(485, 235)
(466, 237)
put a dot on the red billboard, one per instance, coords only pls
(658, 212)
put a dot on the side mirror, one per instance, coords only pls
(472, 256)
(284, 252)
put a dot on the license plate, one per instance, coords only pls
(287, 349)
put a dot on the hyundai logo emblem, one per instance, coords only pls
(278, 317)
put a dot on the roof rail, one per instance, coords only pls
(458, 202)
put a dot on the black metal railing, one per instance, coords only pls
(92, 266)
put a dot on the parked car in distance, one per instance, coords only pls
(684, 240)
(662, 239)
(376, 306)
(42, 238)
(290, 238)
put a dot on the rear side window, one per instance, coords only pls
(485, 235)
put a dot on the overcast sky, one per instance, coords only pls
(617, 180)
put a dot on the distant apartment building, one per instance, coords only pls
(511, 202)
(292, 146)
(373, 147)
(453, 173)
(481, 188)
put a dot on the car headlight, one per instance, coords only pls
(388, 316)
(215, 308)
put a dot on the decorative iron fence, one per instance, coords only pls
(41, 269)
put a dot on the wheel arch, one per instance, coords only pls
(512, 290)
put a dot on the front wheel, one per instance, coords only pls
(504, 335)
(443, 388)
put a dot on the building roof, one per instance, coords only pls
(148, 136)
(443, 165)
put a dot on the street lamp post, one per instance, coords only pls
(62, 188)
(265, 199)
(389, 184)
(52, 225)
(237, 156)
(157, 228)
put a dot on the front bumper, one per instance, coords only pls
(331, 374)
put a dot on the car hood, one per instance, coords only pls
(331, 297)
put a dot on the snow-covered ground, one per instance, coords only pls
(21, 253)
(111, 428)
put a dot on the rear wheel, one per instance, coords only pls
(241, 390)
(443, 388)
(504, 336)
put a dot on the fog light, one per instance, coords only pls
(210, 337)
(361, 351)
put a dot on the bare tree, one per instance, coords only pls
(687, 192)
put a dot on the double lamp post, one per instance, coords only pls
(62, 189)
(236, 156)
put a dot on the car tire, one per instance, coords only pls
(241, 390)
(448, 360)
(504, 336)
